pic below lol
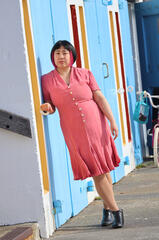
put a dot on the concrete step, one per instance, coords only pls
(27, 231)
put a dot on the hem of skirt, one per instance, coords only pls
(93, 175)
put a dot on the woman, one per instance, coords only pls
(83, 110)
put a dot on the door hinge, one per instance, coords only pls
(110, 2)
(107, 2)
(126, 160)
(90, 186)
(57, 207)
(137, 154)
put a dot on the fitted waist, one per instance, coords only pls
(72, 111)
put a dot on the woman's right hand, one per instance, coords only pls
(46, 107)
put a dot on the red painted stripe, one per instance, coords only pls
(75, 34)
(123, 75)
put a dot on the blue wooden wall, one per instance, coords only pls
(69, 196)
(130, 76)
(100, 52)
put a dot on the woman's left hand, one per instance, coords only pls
(114, 130)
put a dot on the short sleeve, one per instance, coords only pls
(46, 94)
(92, 82)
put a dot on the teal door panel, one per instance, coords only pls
(59, 178)
(78, 191)
(61, 32)
(119, 172)
(130, 77)
(94, 41)
(109, 83)
(59, 171)
(106, 57)
(59, 20)
(147, 18)
(69, 196)
(100, 52)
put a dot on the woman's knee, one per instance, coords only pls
(99, 177)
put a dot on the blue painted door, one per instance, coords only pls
(78, 189)
(130, 76)
(69, 196)
(59, 179)
(100, 52)
(147, 18)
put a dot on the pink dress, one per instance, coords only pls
(85, 128)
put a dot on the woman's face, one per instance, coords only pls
(62, 57)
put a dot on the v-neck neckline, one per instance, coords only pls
(68, 85)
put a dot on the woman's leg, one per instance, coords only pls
(110, 182)
(105, 191)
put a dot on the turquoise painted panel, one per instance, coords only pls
(119, 172)
(130, 77)
(100, 52)
(59, 178)
(61, 32)
(59, 20)
(106, 57)
(109, 83)
(78, 191)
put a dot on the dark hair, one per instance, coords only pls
(67, 45)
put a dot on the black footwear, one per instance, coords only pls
(107, 217)
(118, 219)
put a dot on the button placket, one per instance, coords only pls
(76, 103)
(82, 114)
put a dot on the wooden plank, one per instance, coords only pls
(19, 233)
(15, 123)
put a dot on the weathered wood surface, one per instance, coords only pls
(19, 233)
(15, 123)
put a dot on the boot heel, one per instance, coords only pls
(118, 219)
(107, 217)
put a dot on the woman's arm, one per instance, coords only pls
(105, 108)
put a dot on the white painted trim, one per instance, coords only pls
(75, 2)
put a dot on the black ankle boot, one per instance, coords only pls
(118, 219)
(107, 217)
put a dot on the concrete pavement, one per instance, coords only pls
(138, 195)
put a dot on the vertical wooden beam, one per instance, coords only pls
(36, 96)
(75, 34)
(84, 41)
(123, 76)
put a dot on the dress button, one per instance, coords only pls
(82, 115)
(73, 99)
(80, 109)
(76, 103)
(70, 92)
(84, 120)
